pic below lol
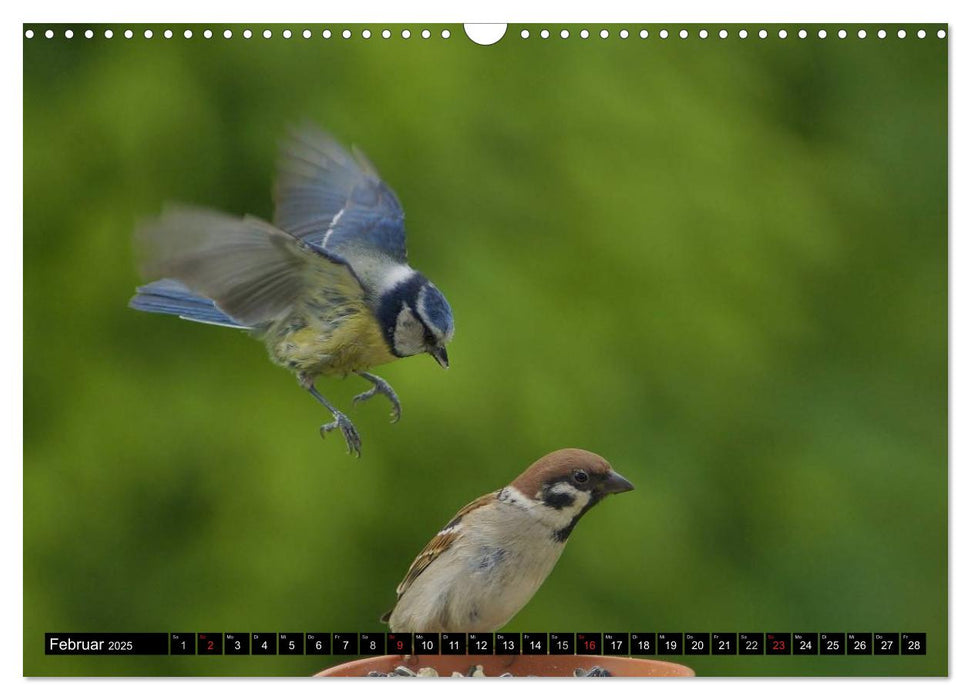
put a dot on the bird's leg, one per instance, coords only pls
(341, 421)
(380, 387)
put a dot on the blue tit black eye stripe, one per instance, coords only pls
(389, 305)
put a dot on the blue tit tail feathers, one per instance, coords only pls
(172, 297)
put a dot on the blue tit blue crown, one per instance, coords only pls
(434, 310)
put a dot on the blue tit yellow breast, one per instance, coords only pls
(333, 340)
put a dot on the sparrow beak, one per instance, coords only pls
(615, 483)
(441, 357)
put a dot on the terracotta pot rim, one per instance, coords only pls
(550, 666)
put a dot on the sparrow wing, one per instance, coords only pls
(336, 200)
(251, 270)
(440, 543)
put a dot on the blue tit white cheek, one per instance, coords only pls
(409, 333)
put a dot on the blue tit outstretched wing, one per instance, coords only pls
(251, 270)
(336, 200)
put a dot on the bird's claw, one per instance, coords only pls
(383, 388)
(351, 436)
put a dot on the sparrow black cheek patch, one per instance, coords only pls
(715, 254)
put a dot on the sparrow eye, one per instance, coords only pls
(580, 476)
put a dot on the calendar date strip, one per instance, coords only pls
(661, 644)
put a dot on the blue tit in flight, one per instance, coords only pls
(327, 286)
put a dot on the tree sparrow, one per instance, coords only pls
(490, 559)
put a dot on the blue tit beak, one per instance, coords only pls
(615, 483)
(441, 357)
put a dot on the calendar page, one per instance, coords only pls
(595, 349)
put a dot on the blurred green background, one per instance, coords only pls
(722, 264)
